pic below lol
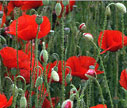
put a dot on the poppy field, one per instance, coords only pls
(63, 54)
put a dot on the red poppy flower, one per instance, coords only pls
(3, 101)
(111, 41)
(59, 69)
(9, 57)
(69, 7)
(27, 27)
(99, 106)
(80, 65)
(25, 5)
(123, 79)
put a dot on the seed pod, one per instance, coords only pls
(39, 20)
(55, 76)
(65, 2)
(39, 81)
(88, 36)
(58, 9)
(121, 7)
(23, 102)
(67, 104)
(91, 71)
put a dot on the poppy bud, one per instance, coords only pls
(65, 2)
(67, 104)
(14, 88)
(45, 2)
(1, 14)
(58, 9)
(39, 81)
(39, 20)
(23, 102)
(91, 71)
(44, 56)
(55, 68)
(121, 7)
(68, 78)
(55, 75)
(108, 11)
(82, 26)
(88, 36)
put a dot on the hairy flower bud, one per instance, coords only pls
(65, 2)
(55, 76)
(108, 11)
(91, 71)
(121, 7)
(88, 36)
(23, 102)
(82, 26)
(44, 56)
(39, 20)
(1, 14)
(45, 2)
(68, 78)
(67, 104)
(39, 81)
(58, 9)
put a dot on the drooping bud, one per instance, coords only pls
(1, 14)
(108, 11)
(58, 9)
(91, 71)
(82, 27)
(121, 7)
(88, 36)
(68, 78)
(65, 2)
(55, 75)
(39, 20)
(39, 81)
(14, 88)
(67, 104)
(45, 2)
(23, 102)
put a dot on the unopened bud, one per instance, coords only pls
(14, 88)
(82, 26)
(39, 81)
(39, 20)
(88, 36)
(55, 76)
(121, 7)
(23, 102)
(65, 2)
(108, 11)
(1, 14)
(91, 71)
(58, 9)
(45, 2)
(68, 78)
(44, 56)
(67, 104)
